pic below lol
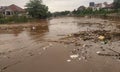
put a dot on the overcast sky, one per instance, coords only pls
(55, 5)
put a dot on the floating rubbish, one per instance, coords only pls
(84, 45)
(77, 44)
(31, 54)
(50, 44)
(98, 52)
(69, 35)
(68, 60)
(105, 42)
(74, 56)
(33, 28)
(83, 57)
(79, 58)
(44, 48)
(75, 51)
(101, 37)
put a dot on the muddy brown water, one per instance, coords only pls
(46, 47)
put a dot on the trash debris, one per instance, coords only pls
(101, 37)
(77, 44)
(68, 60)
(102, 49)
(4, 68)
(98, 52)
(50, 44)
(69, 35)
(75, 51)
(30, 53)
(105, 41)
(107, 54)
(33, 28)
(83, 57)
(84, 45)
(44, 48)
(79, 58)
(74, 56)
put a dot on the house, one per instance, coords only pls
(92, 4)
(108, 6)
(98, 6)
(11, 10)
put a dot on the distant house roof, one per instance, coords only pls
(98, 5)
(108, 5)
(14, 7)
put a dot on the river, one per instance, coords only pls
(63, 44)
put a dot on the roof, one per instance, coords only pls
(15, 8)
(12, 7)
(98, 5)
(2, 8)
(109, 5)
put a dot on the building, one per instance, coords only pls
(92, 4)
(11, 10)
(108, 6)
(98, 6)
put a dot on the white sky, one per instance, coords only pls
(55, 5)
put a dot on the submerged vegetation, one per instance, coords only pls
(63, 13)
(13, 19)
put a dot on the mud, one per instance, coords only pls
(67, 44)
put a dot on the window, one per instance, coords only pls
(7, 12)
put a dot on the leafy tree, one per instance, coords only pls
(116, 4)
(37, 9)
(62, 13)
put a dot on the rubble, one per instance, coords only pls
(74, 56)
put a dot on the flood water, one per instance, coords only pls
(46, 47)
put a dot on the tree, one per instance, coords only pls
(37, 9)
(116, 4)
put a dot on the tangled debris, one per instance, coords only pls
(96, 35)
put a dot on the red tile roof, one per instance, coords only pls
(15, 8)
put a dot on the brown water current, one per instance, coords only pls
(63, 44)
